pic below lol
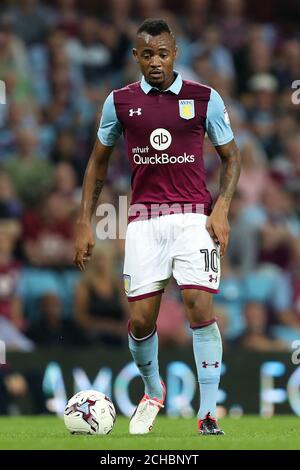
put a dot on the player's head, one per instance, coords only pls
(155, 51)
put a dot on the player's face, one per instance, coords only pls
(156, 55)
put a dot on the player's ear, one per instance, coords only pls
(135, 54)
(175, 52)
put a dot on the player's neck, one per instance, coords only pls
(164, 86)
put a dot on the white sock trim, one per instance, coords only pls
(145, 337)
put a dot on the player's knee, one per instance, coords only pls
(141, 325)
(198, 314)
(198, 308)
(193, 304)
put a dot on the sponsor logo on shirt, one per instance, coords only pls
(140, 149)
(162, 159)
(160, 139)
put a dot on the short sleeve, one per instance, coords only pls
(217, 120)
(110, 127)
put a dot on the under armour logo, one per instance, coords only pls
(144, 365)
(137, 111)
(211, 278)
(210, 364)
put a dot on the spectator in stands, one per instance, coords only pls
(48, 249)
(256, 337)
(20, 116)
(263, 108)
(30, 20)
(47, 233)
(99, 304)
(30, 174)
(89, 53)
(14, 66)
(254, 174)
(287, 165)
(51, 328)
(287, 301)
(68, 17)
(10, 206)
(12, 321)
(277, 224)
(196, 16)
(288, 67)
(233, 23)
(210, 42)
(281, 229)
(65, 183)
(230, 301)
(147, 9)
(64, 107)
(243, 247)
(286, 128)
(16, 385)
(66, 150)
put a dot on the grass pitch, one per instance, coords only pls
(249, 432)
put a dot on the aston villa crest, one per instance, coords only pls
(127, 280)
(186, 109)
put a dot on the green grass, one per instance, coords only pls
(249, 432)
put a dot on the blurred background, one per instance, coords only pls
(59, 60)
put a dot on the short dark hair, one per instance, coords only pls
(154, 27)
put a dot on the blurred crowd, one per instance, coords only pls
(59, 60)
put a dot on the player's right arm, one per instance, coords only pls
(109, 131)
(93, 182)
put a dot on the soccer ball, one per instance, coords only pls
(89, 412)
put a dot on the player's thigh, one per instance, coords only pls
(147, 264)
(196, 260)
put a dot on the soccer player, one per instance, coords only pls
(172, 228)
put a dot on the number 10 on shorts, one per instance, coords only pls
(210, 260)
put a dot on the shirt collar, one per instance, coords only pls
(174, 88)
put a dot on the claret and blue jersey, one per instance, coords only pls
(164, 133)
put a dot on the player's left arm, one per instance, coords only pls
(220, 133)
(217, 223)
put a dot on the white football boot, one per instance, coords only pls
(144, 416)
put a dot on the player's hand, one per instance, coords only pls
(84, 244)
(218, 227)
